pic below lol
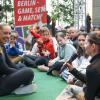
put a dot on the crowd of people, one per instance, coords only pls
(51, 54)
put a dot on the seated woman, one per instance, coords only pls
(64, 52)
(80, 63)
(92, 77)
(11, 78)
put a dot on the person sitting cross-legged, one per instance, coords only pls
(12, 78)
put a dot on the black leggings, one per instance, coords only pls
(12, 81)
(34, 61)
(56, 66)
(29, 60)
(11, 77)
(42, 61)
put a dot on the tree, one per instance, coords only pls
(6, 7)
(63, 10)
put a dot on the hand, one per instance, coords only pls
(50, 63)
(12, 45)
(28, 53)
(68, 65)
(38, 54)
(70, 79)
(46, 53)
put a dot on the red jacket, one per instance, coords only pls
(35, 35)
(47, 45)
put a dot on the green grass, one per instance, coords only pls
(49, 88)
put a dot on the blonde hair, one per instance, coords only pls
(45, 29)
(73, 29)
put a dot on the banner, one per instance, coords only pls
(20, 35)
(28, 12)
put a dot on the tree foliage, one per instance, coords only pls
(6, 7)
(63, 10)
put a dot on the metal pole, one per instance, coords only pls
(58, 14)
(78, 15)
(73, 14)
(5, 11)
(85, 14)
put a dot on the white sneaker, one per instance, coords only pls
(28, 89)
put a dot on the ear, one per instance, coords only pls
(65, 38)
(93, 46)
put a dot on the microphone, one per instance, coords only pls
(73, 57)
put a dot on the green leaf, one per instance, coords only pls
(63, 9)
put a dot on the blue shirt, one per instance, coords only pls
(14, 51)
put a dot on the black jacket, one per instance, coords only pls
(6, 66)
(92, 78)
